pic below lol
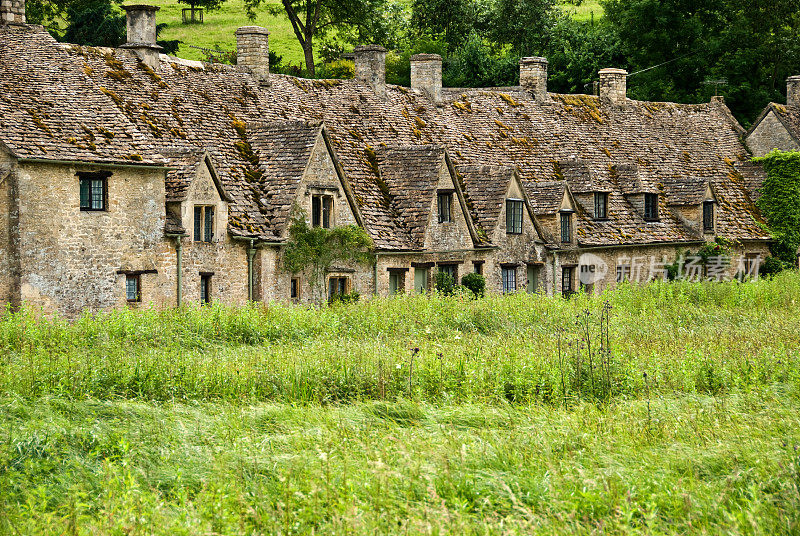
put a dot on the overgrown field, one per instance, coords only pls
(668, 408)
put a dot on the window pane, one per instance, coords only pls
(205, 289)
(444, 207)
(342, 285)
(294, 291)
(708, 216)
(327, 203)
(198, 224)
(132, 288)
(316, 211)
(209, 224)
(97, 194)
(565, 228)
(86, 186)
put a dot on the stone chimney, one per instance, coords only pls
(142, 33)
(12, 12)
(252, 51)
(371, 67)
(614, 85)
(426, 75)
(533, 76)
(793, 91)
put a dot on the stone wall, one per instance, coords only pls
(252, 51)
(9, 260)
(770, 134)
(370, 66)
(12, 11)
(70, 258)
(426, 75)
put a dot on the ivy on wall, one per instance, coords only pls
(315, 249)
(780, 203)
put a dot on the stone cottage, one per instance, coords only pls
(778, 125)
(131, 177)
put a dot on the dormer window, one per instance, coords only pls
(566, 227)
(445, 204)
(708, 216)
(513, 216)
(651, 207)
(203, 223)
(600, 205)
(94, 191)
(321, 211)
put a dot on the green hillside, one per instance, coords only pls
(219, 27)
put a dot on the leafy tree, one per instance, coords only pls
(683, 43)
(524, 24)
(208, 5)
(780, 203)
(316, 249)
(312, 19)
(475, 283)
(451, 20)
(444, 283)
(96, 23)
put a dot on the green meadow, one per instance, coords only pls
(670, 408)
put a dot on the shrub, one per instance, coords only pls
(475, 283)
(351, 297)
(445, 283)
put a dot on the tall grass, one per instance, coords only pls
(688, 337)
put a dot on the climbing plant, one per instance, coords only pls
(780, 203)
(315, 249)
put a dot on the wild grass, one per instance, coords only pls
(515, 418)
(688, 338)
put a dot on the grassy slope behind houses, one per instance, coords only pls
(412, 415)
(219, 27)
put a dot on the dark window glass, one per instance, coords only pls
(208, 226)
(93, 191)
(509, 279)
(198, 224)
(337, 286)
(449, 269)
(132, 288)
(205, 289)
(601, 205)
(513, 216)
(477, 267)
(566, 228)
(445, 200)
(566, 281)
(708, 216)
(295, 289)
(321, 211)
(651, 206)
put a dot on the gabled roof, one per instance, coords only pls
(411, 175)
(546, 196)
(686, 191)
(581, 179)
(789, 116)
(217, 106)
(632, 180)
(184, 164)
(485, 188)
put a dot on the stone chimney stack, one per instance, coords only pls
(371, 67)
(426, 75)
(533, 76)
(142, 33)
(793, 91)
(12, 12)
(252, 52)
(614, 85)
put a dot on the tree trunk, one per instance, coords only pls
(308, 51)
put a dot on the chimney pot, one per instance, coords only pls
(12, 12)
(533, 76)
(426, 75)
(370, 63)
(793, 91)
(142, 33)
(614, 85)
(252, 52)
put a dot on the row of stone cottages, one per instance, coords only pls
(128, 176)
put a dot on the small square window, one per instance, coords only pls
(321, 211)
(445, 203)
(477, 267)
(513, 216)
(397, 282)
(650, 207)
(449, 269)
(93, 191)
(338, 286)
(600, 205)
(566, 281)
(203, 223)
(132, 288)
